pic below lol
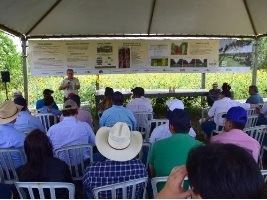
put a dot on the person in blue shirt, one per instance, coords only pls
(25, 122)
(254, 98)
(118, 113)
(41, 102)
(9, 136)
(48, 107)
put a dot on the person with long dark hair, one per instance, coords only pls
(41, 166)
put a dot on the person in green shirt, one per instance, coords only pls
(170, 152)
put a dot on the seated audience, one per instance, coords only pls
(41, 165)
(83, 115)
(71, 131)
(220, 106)
(120, 164)
(9, 136)
(254, 98)
(48, 107)
(117, 113)
(41, 102)
(139, 103)
(214, 94)
(107, 101)
(16, 94)
(216, 171)
(172, 151)
(235, 121)
(227, 88)
(163, 131)
(25, 122)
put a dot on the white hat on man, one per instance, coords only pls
(175, 104)
(118, 143)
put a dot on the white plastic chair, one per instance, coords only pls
(155, 123)
(142, 119)
(264, 174)
(32, 187)
(156, 180)
(258, 133)
(143, 154)
(251, 111)
(10, 159)
(252, 121)
(75, 157)
(47, 120)
(123, 190)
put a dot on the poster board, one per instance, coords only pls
(53, 57)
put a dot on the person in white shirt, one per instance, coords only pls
(220, 106)
(70, 84)
(163, 131)
(139, 103)
(71, 131)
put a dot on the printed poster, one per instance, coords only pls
(159, 54)
(105, 55)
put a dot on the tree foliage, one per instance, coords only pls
(10, 60)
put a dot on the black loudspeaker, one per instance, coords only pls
(5, 76)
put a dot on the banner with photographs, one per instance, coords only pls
(53, 57)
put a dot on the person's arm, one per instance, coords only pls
(77, 85)
(152, 172)
(63, 85)
(173, 188)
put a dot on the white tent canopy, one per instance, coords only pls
(68, 18)
(91, 18)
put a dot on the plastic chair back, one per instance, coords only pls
(143, 154)
(251, 111)
(156, 180)
(142, 119)
(31, 189)
(76, 157)
(10, 159)
(47, 120)
(155, 123)
(123, 190)
(252, 121)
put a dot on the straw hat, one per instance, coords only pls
(118, 143)
(8, 112)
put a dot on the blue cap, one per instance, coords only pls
(237, 114)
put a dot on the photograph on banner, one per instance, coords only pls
(235, 53)
(194, 53)
(158, 53)
(46, 57)
(106, 54)
(78, 56)
(132, 54)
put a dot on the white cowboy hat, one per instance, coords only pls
(8, 112)
(118, 143)
(175, 104)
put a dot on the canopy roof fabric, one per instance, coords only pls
(68, 18)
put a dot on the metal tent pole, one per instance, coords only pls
(203, 86)
(255, 63)
(24, 65)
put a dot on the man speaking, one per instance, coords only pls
(70, 84)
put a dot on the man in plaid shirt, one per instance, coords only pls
(120, 147)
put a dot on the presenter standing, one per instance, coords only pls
(70, 84)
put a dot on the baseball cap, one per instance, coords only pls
(180, 119)
(175, 104)
(48, 92)
(70, 105)
(236, 114)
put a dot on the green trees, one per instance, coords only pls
(10, 60)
